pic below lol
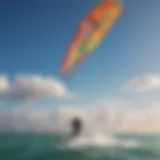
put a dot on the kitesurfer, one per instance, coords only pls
(76, 126)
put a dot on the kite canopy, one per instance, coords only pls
(90, 33)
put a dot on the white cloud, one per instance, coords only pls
(4, 84)
(144, 83)
(27, 87)
(95, 119)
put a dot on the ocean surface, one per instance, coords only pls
(96, 147)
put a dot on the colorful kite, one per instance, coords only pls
(92, 30)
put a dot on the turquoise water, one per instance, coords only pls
(50, 147)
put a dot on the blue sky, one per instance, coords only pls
(35, 35)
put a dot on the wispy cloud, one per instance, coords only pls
(27, 87)
(144, 83)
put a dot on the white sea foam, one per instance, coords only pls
(101, 141)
